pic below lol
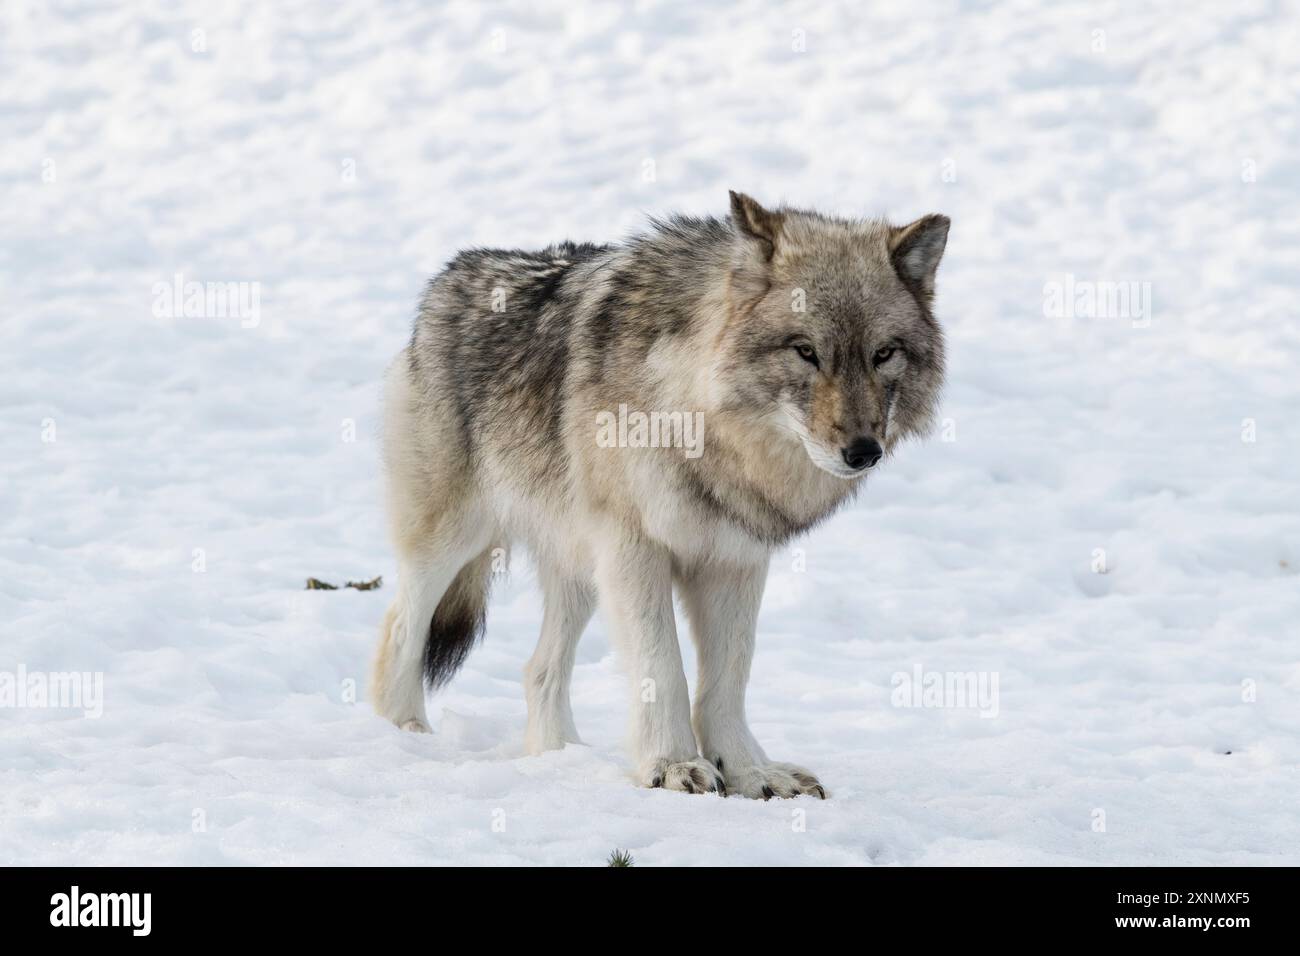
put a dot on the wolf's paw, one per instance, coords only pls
(765, 781)
(415, 725)
(688, 776)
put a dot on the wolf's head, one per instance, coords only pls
(830, 336)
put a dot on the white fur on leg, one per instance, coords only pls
(634, 578)
(397, 687)
(569, 603)
(722, 603)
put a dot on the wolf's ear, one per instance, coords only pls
(756, 223)
(916, 250)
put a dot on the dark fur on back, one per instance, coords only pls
(500, 321)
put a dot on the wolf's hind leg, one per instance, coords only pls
(397, 682)
(569, 602)
(440, 528)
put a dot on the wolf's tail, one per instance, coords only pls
(458, 622)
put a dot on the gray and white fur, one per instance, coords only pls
(807, 345)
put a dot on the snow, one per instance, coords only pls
(167, 483)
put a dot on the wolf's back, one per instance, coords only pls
(494, 333)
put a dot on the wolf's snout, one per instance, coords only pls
(862, 453)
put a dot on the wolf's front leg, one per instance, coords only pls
(722, 603)
(634, 580)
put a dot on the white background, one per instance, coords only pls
(337, 154)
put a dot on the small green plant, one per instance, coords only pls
(620, 858)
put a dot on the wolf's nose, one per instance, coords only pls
(862, 453)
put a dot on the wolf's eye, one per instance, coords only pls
(883, 355)
(807, 354)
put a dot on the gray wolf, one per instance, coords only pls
(799, 349)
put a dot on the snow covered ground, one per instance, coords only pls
(1108, 522)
